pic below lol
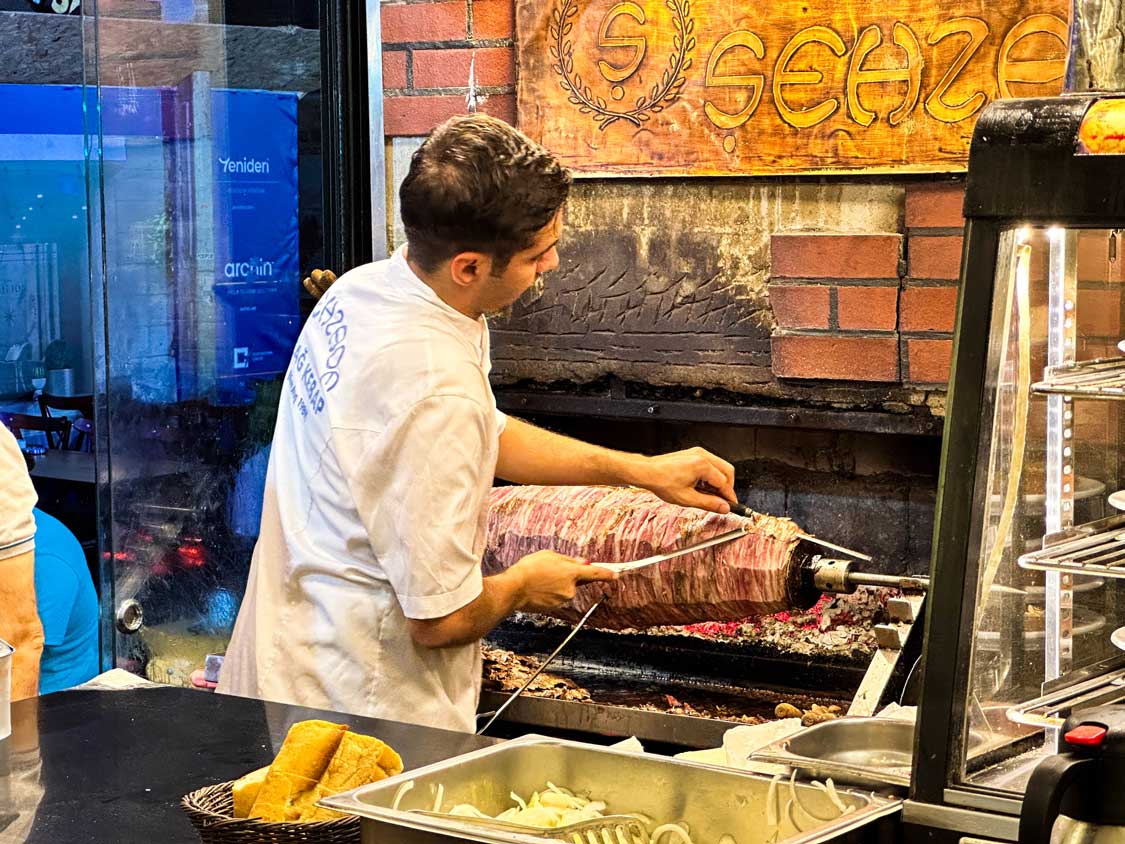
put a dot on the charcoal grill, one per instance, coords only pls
(632, 677)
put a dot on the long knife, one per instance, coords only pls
(668, 555)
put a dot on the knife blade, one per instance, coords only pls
(668, 555)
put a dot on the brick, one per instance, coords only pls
(1099, 312)
(801, 306)
(928, 361)
(935, 206)
(927, 309)
(413, 116)
(867, 308)
(405, 116)
(450, 68)
(835, 255)
(394, 69)
(494, 19)
(407, 22)
(835, 358)
(934, 256)
(502, 106)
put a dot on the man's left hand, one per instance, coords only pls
(682, 476)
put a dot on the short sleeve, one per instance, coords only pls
(421, 488)
(17, 500)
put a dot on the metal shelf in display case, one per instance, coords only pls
(1101, 378)
(1096, 549)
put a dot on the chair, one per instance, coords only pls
(19, 422)
(83, 404)
(83, 434)
(83, 425)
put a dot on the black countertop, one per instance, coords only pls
(111, 766)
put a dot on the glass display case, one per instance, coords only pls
(1024, 619)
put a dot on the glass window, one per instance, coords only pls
(1048, 464)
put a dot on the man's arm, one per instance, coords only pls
(19, 622)
(531, 455)
(540, 581)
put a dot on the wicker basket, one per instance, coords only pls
(211, 810)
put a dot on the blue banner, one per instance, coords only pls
(256, 231)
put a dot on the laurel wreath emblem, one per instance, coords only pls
(663, 93)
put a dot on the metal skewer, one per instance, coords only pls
(512, 698)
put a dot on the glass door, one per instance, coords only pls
(203, 138)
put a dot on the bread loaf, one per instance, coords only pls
(317, 759)
(304, 757)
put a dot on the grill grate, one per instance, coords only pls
(1094, 549)
(1102, 378)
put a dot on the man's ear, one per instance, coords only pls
(468, 268)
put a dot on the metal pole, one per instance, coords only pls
(375, 127)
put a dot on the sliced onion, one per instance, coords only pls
(796, 799)
(402, 789)
(834, 797)
(771, 801)
(678, 829)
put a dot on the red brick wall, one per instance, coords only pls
(871, 307)
(428, 50)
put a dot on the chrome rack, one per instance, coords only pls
(1101, 378)
(1096, 549)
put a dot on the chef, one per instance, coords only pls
(365, 592)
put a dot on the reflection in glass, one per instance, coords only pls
(205, 168)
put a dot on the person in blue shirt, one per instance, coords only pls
(68, 607)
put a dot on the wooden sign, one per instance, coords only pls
(715, 87)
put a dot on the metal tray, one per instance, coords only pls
(873, 752)
(717, 804)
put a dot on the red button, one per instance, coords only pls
(1087, 735)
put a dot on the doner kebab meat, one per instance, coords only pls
(752, 575)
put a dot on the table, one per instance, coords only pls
(81, 467)
(113, 765)
(75, 466)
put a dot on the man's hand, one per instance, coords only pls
(690, 478)
(540, 581)
(318, 282)
(548, 579)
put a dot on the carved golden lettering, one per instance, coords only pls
(754, 81)
(1036, 71)
(911, 73)
(935, 104)
(616, 73)
(806, 117)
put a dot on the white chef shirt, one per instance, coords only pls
(17, 499)
(375, 507)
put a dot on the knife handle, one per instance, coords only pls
(741, 509)
(736, 508)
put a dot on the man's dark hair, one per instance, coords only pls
(478, 185)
